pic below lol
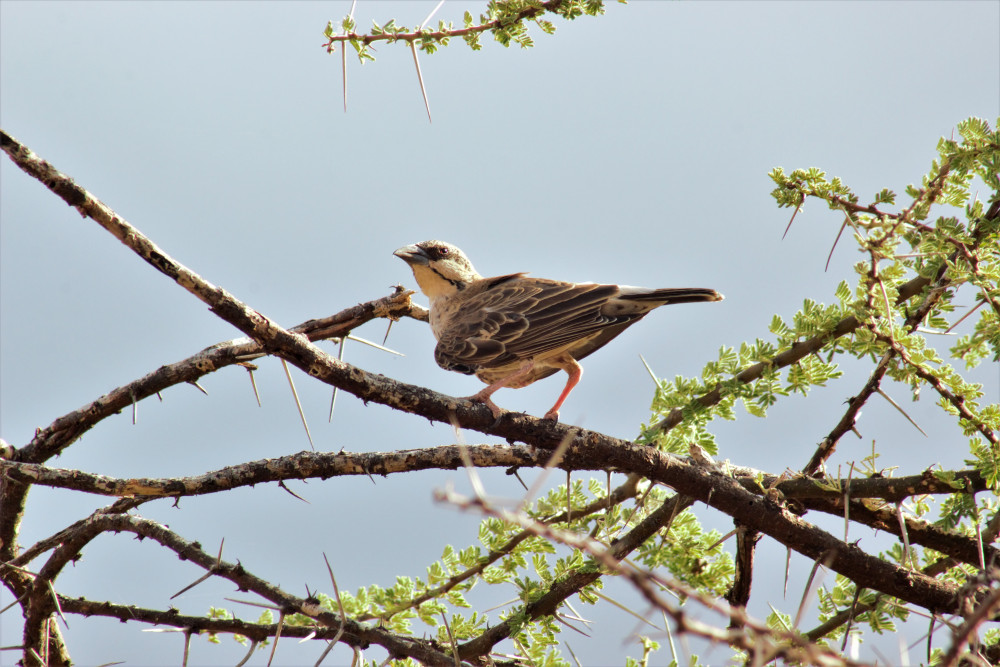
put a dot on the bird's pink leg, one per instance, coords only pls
(483, 396)
(575, 372)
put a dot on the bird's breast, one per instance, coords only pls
(442, 313)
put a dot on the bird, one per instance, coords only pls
(512, 330)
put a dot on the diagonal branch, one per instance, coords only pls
(846, 423)
(65, 430)
(274, 339)
(723, 493)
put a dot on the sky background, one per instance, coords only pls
(632, 148)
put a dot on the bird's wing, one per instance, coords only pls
(503, 320)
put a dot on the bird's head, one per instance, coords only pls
(440, 268)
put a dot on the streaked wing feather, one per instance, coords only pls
(521, 318)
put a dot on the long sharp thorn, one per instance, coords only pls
(847, 502)
(333, 399)
(788, 564)
(298, 404)
(639, 617)
(433, 12)
(794, 213)
(340, 606)
(649, 370)
(907, 552)
(282, 485)
(55, 599)
(253, 383)
(343, 56)
(554, 460)
(806, 593)
(830, 256)
(901, 410)
(246, 658)
(200, 579)
(376, 345)
(277, 636)
(420, 77)
(575, 659)
(959, 320)
(387, 330)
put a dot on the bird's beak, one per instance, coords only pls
(412, 254)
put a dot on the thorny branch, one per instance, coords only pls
(65, 430)
(437, 35)
(752, 506)
(323, 465)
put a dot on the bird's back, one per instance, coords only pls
(495, 324)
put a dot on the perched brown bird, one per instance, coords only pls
(513, 330)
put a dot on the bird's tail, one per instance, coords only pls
(670, 295)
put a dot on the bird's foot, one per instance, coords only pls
(553, 415)
(488, 402)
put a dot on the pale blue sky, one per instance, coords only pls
(632, 148)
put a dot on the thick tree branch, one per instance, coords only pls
(304, 465)
(825, 495)
(323, 465)
(725, 494)
(962, 548)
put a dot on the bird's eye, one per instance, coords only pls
(442, 251)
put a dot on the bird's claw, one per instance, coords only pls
(485, 400)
